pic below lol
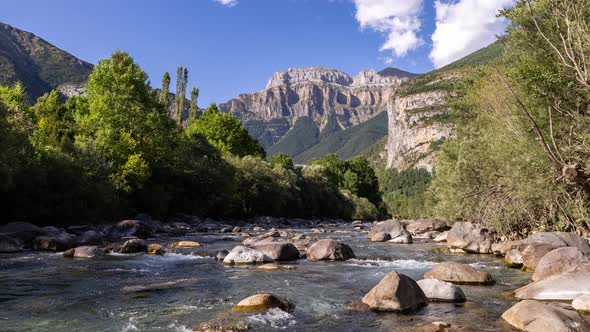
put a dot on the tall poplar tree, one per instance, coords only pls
(181, 82)
(193, 104)
(165, 91)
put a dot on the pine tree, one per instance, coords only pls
(165, 91)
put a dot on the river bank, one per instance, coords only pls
(187, 288)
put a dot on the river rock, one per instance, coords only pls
(156, 249)
(405, 238)
(8, 244)
(220, 255)
(532, 253)
(458, 273)
(395, 292)
(279, 251)
(59, 242)
(24, 232)
(261, 303)
(84, 252)
(561, 239)
(440, 291)
(534, 316)
(443, 327)
(133, 246)
(442, 237)
(185, 244)
(469, 238)
(502, 248)
(243, 255)
(514, 259)
(130, 228)
(394, 228)
(582, 304)
(561, 260)
(90, 237)
(258, 229)
(565, 287)
(329, 249)
(423, 226)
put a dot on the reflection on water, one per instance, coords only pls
(45, 292)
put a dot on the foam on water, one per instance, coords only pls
(405, 264)
(275, 318)
(179, 327)
(479, 265)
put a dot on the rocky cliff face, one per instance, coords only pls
(416, 124)
(326, 96)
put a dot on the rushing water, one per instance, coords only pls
(45, 292)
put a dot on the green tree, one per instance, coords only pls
(194, 108)
(334, 167)
(164, 98)
(55, 123)
(282, 160)
(225, 132)
(367, 184)
(181, 83)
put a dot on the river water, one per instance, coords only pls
(46, 292)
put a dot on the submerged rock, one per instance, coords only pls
(565, 287)
(261, 303)
(279, 251)
(469, 238)
(534, 316)
(329, 249)
(84, 252)
(441, 291)
(395, 292)
(133, 246)
(458, 273)
(243, 255)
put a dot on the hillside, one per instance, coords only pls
(37, 64)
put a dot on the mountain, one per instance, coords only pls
(39, 65)
(302, 107)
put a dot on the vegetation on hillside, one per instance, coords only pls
(520, 161)
(117, 151)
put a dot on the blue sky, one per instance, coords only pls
(235, 48)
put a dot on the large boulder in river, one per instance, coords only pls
(130, 228)
(561, 260)
(393, 228)
(441, 291)
(461, 274)
(561, 239)
(90, 237)
(8, 244)
(532, 253)
(241, 255)
(133, 246)
(514, 259)
(563, 287)
(329, 249)
(534, 316)
(60, 242)
(582, 304)
(423, 226)
(278, 251)
(395, 292)
(261, 303)
(469, 238)
(24, 232)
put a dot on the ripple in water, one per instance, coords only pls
(275, 318)
(404, 264)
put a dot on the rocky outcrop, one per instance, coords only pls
(458, 273)
(534, 316)
(416, 123)
(319, 94)
(395, 292)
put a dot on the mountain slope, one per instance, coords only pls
(40, 66)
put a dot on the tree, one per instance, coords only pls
(164, 98)
(335, 168)
(282, 160)
(193, 104)
(367, 184)
(225, 132)
(55, 123)
(181, 82)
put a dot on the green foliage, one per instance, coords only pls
(225, 132)
(364, 183)
(404, 192)
(304, 134)
(164, 99)
(180, 96)
(283, 161)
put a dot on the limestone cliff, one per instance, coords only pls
(331, 99)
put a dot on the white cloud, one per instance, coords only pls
(465, 26)
(227, 3)
(398, 19)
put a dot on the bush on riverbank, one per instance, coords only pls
(115, 152)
